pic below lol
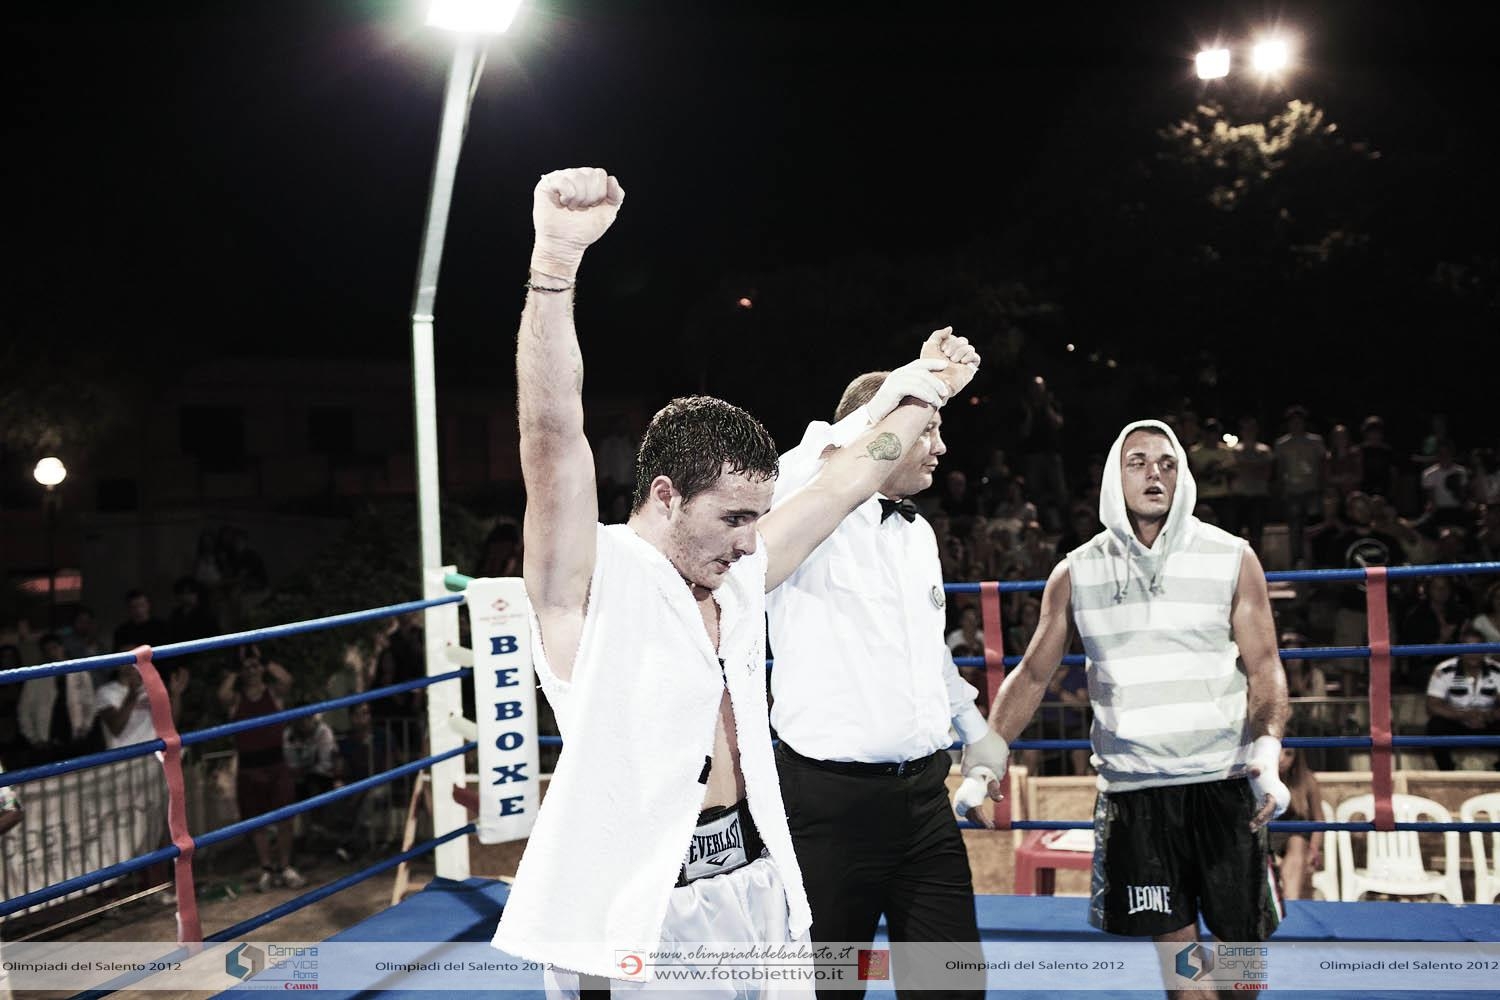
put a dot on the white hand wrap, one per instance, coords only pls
(973, 791)
(556, 263)
(1265, 757)
(983, 762)
(915, 378)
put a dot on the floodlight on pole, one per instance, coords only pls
(1272, 55)
(469, 19)
(473, 17)
(1212, 64)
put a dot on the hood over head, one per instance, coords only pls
(1123, 542)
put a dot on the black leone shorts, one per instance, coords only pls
(1163, 855)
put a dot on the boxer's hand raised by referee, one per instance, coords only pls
(947, 345)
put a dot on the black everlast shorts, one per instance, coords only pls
(725, 839)
(1164, 855)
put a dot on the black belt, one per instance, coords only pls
(899, 768)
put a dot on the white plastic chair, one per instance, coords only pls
(1394, 859)
(1326, 880)
(1484, 809)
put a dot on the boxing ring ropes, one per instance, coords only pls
(170, 743)
(1379, 653)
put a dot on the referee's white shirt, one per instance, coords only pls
(862, 671)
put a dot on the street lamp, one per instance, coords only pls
(50, 472)
(470, 20)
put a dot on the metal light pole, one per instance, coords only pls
(471, 19)
(50, 472)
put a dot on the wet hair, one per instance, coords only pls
(692, 438)
(858, 393)
(1139, 428)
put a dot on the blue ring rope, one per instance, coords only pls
(174, 649)
(134, 750)
(1005, 586)
(244, 826)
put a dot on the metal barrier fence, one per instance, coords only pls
(84, 820)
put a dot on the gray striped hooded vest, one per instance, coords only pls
(1165, 682)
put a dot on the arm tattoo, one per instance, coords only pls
(885, 448)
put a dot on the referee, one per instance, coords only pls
(864, 690)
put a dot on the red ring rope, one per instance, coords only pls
(994, 673)
(189, 930)
(1377, 610)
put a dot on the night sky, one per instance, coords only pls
(211, 179)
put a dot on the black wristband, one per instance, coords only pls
(543, 288)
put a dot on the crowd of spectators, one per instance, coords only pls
(54, 718)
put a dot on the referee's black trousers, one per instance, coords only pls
(873, 844)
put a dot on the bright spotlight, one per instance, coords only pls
(473, 17)
(49, 472)
(1230, 440)
(1271, 56)
(1212, 64)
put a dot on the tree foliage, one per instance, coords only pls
(374, 563)
(58, 400)
(1287, 188)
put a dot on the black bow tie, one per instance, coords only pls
(905, 508)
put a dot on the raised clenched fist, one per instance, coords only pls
(570, 209)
